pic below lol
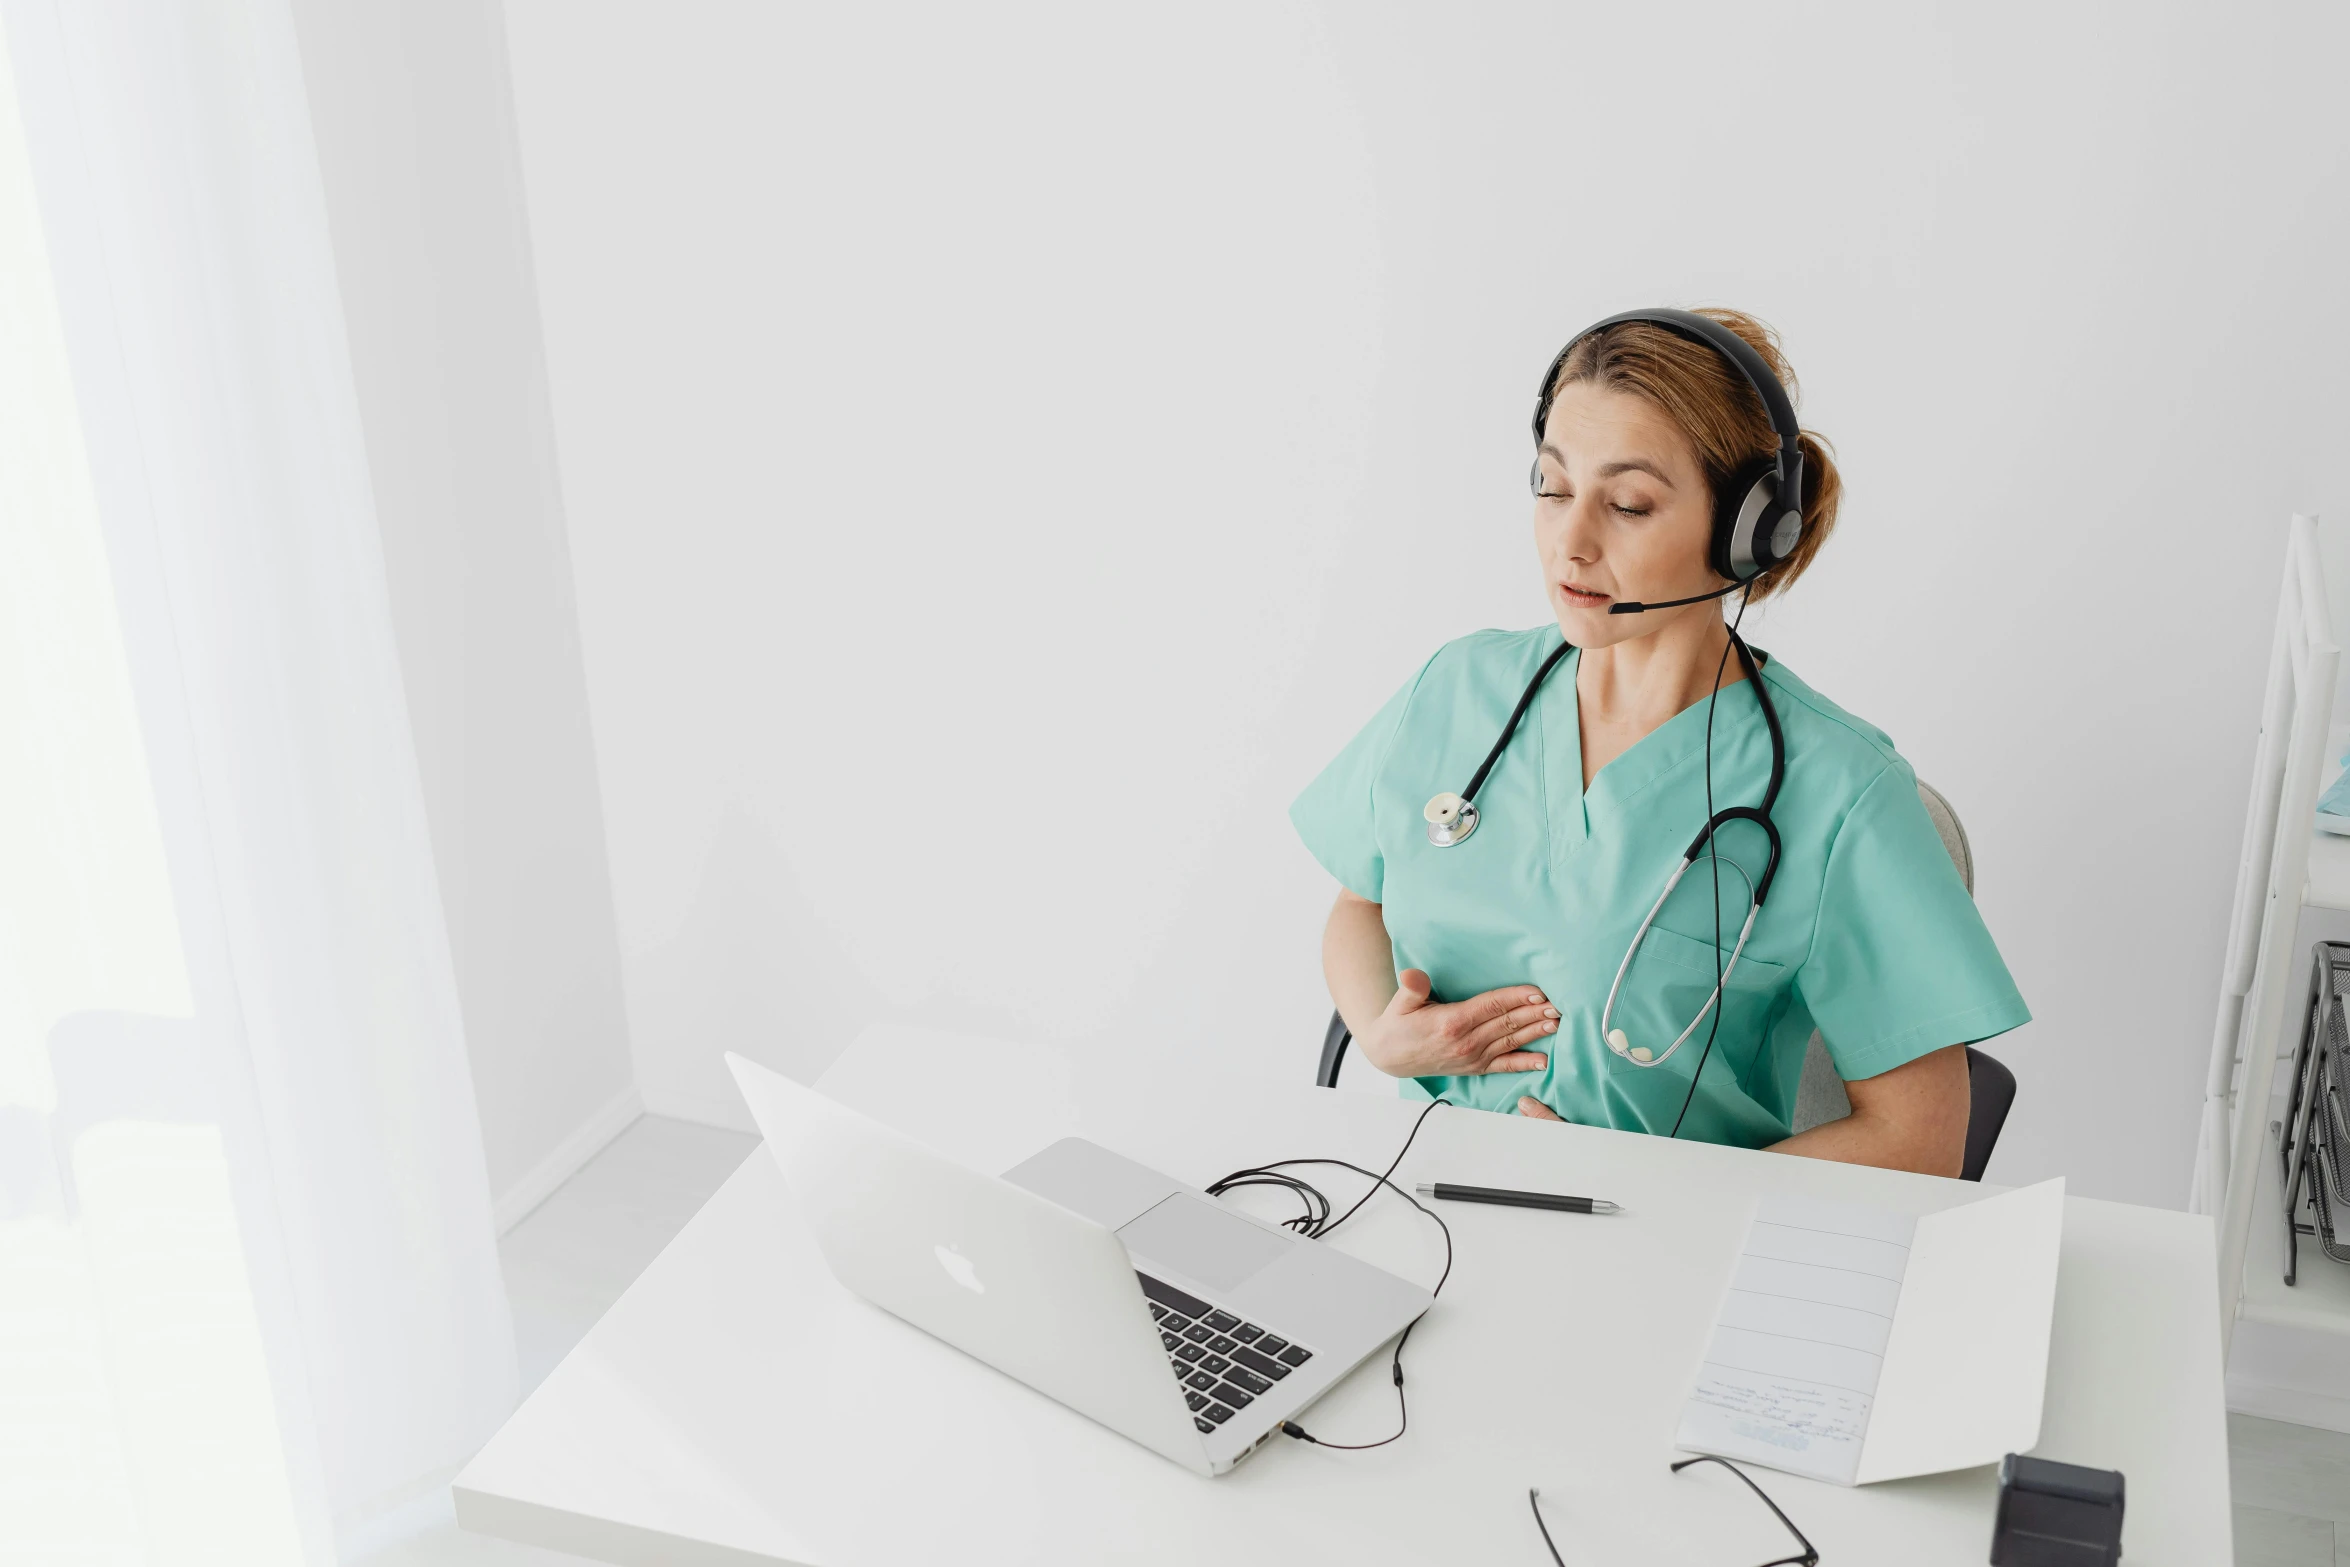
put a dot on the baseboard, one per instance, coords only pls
(2299, 1405)
(727, 1111)
(395, 1518)
(514, 1205)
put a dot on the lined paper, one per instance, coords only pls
(1857, 1344)
(1791, 1375)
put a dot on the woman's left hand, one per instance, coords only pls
(1535, 1109)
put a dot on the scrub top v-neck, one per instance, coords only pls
(1868, 935)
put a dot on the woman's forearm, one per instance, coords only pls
(1358, 961)
(1875, 1140)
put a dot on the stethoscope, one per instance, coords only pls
(1453, 817)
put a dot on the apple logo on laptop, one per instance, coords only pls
(959, 1269)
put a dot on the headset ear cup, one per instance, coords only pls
(1741, 509)
(1779, 530)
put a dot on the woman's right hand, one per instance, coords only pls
(1415, 1037)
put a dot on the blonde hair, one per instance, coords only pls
(1716, 409)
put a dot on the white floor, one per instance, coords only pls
(570, 1260)
(2291, 1486)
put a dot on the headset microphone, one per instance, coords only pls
(1635, 607)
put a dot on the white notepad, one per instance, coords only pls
(1858, 1344)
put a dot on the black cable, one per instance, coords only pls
(1403, 1413)
(1316, 1223)
(1713, 860)
(1384, 1181)
(1308, 1223)
(1534, 1500)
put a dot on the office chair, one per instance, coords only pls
(1820, 1096)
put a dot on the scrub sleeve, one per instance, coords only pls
(1901, 963)
(1334, 815)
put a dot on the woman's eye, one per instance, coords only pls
(1633, 511)
(1554, 495)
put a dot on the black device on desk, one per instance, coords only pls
(2056, 1515)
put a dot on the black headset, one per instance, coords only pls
(1752, 530)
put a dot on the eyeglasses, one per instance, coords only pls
(1808, 1557)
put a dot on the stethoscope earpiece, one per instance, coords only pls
(1623, 1046)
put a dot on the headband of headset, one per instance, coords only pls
(1786, 463)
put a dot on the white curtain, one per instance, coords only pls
(249, 1297)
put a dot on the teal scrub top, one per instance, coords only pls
(1868, 934)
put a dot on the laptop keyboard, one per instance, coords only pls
(1223, 1361)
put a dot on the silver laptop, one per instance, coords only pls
(1132, 1298)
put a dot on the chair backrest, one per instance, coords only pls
(1954, 839)
(1819, 1095)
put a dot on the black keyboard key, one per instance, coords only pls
(1263, 1365)
(1200, 1379)
(1157, 1311)
(1169, 1340)
(1174, 1322)
(1234, 1396)
(1193, 1352)
(1197, 1401)
(1181, 1370)
(1214, 1363)
(1223, 1321)
(1222, 1345)
(1198, 1333)
(1296, 1355)
(1218, 1413)
(1248, 1333)
(1272, 1345)
(1172, 1298)
(1205, 1428)
(1247, 1379)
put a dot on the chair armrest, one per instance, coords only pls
(1334, 1041)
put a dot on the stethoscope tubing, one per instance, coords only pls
(1607, 1012)
(1518, 713)
(1447, 832)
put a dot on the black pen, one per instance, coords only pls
(1512, 1199)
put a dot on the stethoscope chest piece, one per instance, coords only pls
(1450, 820)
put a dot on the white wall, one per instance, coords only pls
(416, 146)
(1008, 450)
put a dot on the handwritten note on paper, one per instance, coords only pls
(1791, 1374)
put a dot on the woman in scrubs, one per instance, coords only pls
(1480, 971)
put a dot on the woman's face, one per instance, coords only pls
(1622, 513)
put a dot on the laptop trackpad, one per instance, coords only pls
(1218, 1248)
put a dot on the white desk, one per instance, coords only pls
(737, 1407)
